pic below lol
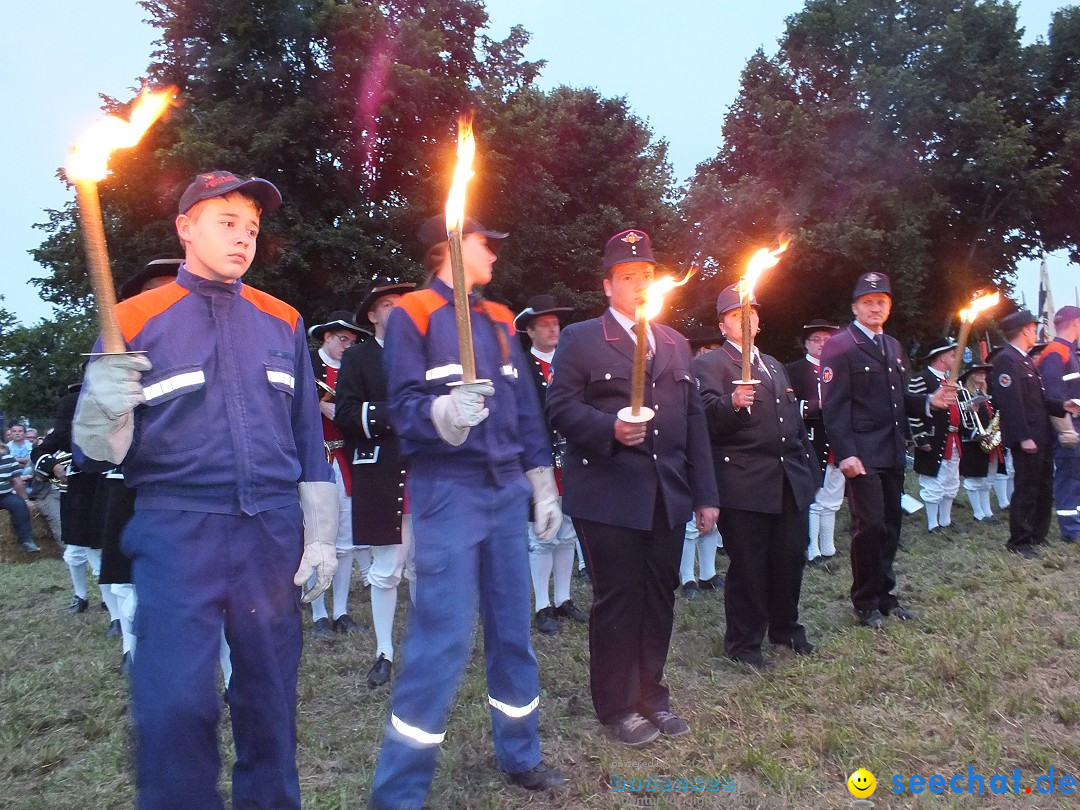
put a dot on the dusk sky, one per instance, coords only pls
(678, 63)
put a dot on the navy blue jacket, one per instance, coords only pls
(603, 480)
(865, 399)
(1018, 395)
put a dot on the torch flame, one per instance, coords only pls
(89, 160)
(762, 260)
(463, 172)
(655, 292)
(980, 304)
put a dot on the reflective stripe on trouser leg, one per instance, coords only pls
(1067, 491)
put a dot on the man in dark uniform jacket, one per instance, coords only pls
(805, 377)
(766, 476)
(865, 403)
(379, 515)
(630, 487)
(937, 438)
(1025, 430)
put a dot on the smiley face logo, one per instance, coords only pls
(861, 784)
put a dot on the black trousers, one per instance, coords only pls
(767, 553)
(1033, 499)
(635, 574)
(876, 516)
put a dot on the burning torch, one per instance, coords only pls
(762, 260)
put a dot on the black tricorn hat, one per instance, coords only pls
(159, 267)
(818, 325)
(337, 320)
(374, 294)
(938, 346)
(698, 336)
(985, 367)
(538, 305)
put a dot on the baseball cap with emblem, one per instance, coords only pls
(219, 183)
(433, 231)
(729, 299)
(538, 305)
(630, 245)
(871, 283)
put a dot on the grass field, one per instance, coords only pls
(987, 677)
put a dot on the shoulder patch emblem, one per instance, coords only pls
(826, 374)
(1004, 380)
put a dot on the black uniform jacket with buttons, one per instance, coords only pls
(378, 471)
(806, 383)
(604, 480)
(865, 399)
(755, 450)
(932, 430)
(1018, 394)
(541, 392)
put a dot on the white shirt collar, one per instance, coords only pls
(939, 374)
(545, 356)
(328, 360)
(866, 330)
(380, 341)
(1022, 351)
(631, 327)
(814, 360)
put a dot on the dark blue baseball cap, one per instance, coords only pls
(219, 183)
(730, 299)
(871, 283)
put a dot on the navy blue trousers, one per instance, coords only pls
(194, 572)
(471, 547)
(1067, 490)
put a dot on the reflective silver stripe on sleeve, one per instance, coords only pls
(439, 372)
(189, 379)
(1069, 377)
(515, 711)
(508, 370)
(415, 734)
(281, 377)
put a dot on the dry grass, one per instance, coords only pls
(986, 677)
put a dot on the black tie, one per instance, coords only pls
(880, 341)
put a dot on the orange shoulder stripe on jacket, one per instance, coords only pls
(1057, 349)
(134, 313)
(273, 307)
(419, 304)
(498, 312)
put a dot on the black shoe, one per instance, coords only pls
(29, 546)
(583, 573)
(670, 724)
(540, 778)
(690, 590)
(799, 646)
(568, 610)
(125, 665)
(103, 607)
(380, 673)
(345, 625)
(815, 562)
(546, 622)
(871, 618)
(752, 658)
(1025, 551)
(714, 583)
(992, 519)
(901, 614)
(322, 629)
(633, 730)
(78, 605)
(114, 630)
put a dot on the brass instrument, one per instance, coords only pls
(988, 436)
(45, 465)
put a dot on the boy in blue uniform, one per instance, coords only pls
(474, 452)
(224, 531)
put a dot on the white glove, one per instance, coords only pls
(104, 425)
(454, 413)
(319, 500)
(546, 506)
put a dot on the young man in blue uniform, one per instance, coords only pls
(630, 487)
(1059, 366)
(224, 532)
(474, 452)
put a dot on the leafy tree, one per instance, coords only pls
(893, 135)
